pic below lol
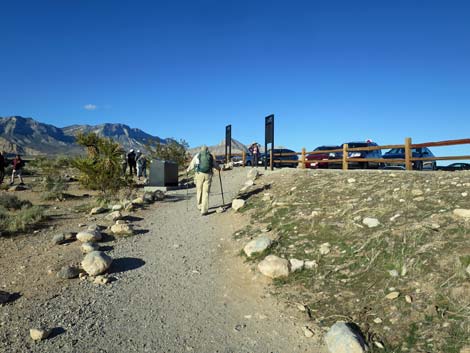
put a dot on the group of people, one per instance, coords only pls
(136, 162)
(17, 167)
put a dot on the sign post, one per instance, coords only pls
(269, 138)
(228, 143)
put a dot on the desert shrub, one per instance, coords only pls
(173, 150)
(101, 169)
(19, 220)
(54, 187)
(51, 166)
(11, 202)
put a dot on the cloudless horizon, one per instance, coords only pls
(331, 72)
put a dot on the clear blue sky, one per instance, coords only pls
(331, 71)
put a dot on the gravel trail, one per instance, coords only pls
(180, 287)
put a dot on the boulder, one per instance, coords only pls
(139, 201)
(117, 207)
(122, 229)
(237, 204)
(463, 213)
(371, 222)
(148, 198)
(345, 338)
(96, 263)
(253, 174)
(296, 265)
(89, 236)
(98, 210)
(89, 247)
(63, 238)
(114, 216)
(68, 272)
(257, 245)
(39, 334)
(274, 267)
(158, 195)
(249, 183)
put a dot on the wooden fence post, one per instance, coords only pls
(271, 155)
(304, 152)
(408, 154)
(243, 158)
(345, 156)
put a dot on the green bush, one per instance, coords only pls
(101, 169)
(171, 151)
(19, 220)
(54, 187)
(11, 202)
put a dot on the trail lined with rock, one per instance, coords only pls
(178, 286)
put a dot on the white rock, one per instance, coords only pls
(274, 267)
(114, 216)
(117, 207)
(237, 204)
(416, 192)
(371, 222)
(464, 194)
(351, 180)
(296, 265)
(325, 248)
(98, 210)
(89, 236)
(249, 183)
(393, 218)
(39, 334)
(461, 212)
(96, 263)
(310, 264)
(342, 338)
(392, 295)
(138, 201)
(89, 247)
(101, 280)
(307, 332)
(122, 229)
(253, 174)
(257, 245)
(393, 273)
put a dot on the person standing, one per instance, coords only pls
(18, 165)
(141, 166)
(131, 162)
(254, 150)
(203, 163)
(3, 163)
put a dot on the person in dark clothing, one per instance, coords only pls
(131, 162)
(254, 150)
(18, 165)
(3, 164)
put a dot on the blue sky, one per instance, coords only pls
(330, 71)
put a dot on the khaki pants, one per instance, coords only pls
(203, 187)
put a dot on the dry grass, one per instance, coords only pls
(422, 253)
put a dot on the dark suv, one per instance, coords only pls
(375, 154)
(424, 152)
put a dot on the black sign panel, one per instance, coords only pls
(268, 138)
(228, 143)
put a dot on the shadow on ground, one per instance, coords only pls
(125, 264)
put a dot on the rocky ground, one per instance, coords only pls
(176, 285)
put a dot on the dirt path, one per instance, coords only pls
(180, 287)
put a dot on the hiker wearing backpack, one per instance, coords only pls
(203, 164)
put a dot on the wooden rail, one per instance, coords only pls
(345, 160)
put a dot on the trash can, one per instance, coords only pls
(163, 173)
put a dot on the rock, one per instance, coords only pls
(393, 218)
(345, 338)
(98, 210)
(408, 299)
(351, 180)
(296, 265)
(158, 195)
(267, 197)
(237, 204)
(461, 212)
(101, 280)
(117, 207)
(89, 236)
(138, 201)
(4, 297)
(307, 332)
(148, 198)
(393, 273)
(257, 245)
(378, 320)
(325, 248)
(371, 222)
(249, 183)
(310, 264)
(122, 229)
(93, 228)
(129, 207)
(89, 247)
(68, 272)
(63, 238)
(220, 210)
(417, 192)
(274, 267)
(392, 295)
(114, 216)
(464, 194)
(253, 174)
(39, 334)
(96, 263)
(419, 199)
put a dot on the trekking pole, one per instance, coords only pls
(221, 189)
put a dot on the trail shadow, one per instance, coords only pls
(6, 298)
(106, 238)
(125, 264)
(141, 231)
(248, 194)
(106, 248)
(175, 198)
(56, 331)
(132, 218)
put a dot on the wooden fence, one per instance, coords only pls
(408, 146)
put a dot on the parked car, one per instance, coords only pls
(375, 154)
(280, 156)
(455, 166)
(423, 152)
(316, 158)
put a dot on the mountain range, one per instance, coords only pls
(27, 136)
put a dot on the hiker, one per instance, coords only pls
(3, 163)
(141, 166)
(254, 150)
(203, 164)
(131, 162)
(124, 163)
(18, 165)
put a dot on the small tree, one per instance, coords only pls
(172, 151)
(101, 169)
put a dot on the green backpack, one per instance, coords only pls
(205, 162)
